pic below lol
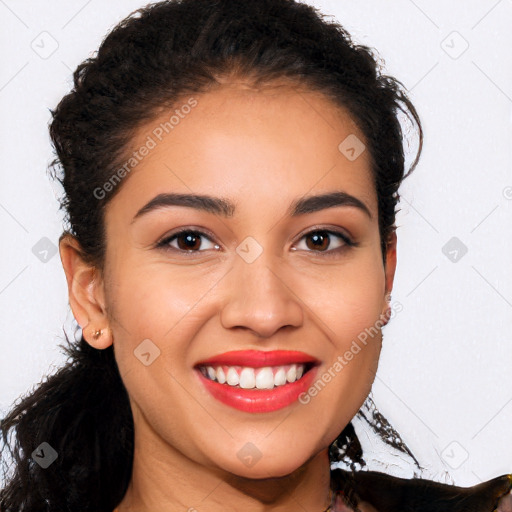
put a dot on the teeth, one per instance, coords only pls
(247, 379)
(267, 377)
(219, 374)
(280, 377)
(232, 377)
(291, 374)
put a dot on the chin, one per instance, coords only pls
(276, 468)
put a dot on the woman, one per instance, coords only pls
(231, 171)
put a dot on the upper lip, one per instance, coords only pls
(258, 358)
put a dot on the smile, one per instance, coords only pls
(267, 377)
(257, 385)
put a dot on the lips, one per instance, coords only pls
(259, 400)
(258, 358)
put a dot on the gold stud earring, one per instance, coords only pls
(97, 334)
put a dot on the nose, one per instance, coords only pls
(260, 298)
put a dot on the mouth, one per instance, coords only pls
(246, 377)
(253, 384)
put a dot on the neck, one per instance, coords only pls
(164, 479)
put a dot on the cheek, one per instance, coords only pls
(154, 300)
(167, 307)
(346, 301)
(347, 306)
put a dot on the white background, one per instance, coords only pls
(444, 379)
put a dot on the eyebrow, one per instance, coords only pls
(226, 208)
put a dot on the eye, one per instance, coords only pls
(187, 241)
(320, 241)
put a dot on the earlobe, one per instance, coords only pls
(85, 293)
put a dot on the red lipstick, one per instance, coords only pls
(259, 400)
(258, 358)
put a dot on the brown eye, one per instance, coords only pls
(190, 241)
(186, 241)
(320, 241)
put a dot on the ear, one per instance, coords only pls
(86, 292)
(390, 261)
(389, 270)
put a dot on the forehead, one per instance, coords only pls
(274, 144)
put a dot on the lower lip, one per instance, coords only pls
(259, 400)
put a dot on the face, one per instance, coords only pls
(255, 276)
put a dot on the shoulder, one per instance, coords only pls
(385, 493)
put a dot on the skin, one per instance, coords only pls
(262, 149)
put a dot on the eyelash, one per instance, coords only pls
(348, 242)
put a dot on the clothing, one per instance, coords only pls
(372, 491)
(378, 492)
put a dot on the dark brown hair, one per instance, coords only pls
(155, 56)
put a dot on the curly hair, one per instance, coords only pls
(154, 57)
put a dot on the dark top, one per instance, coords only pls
(372, 491)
